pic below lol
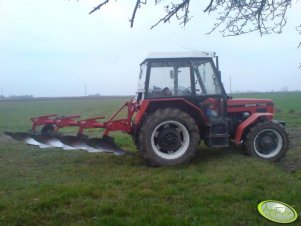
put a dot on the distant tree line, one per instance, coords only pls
(17, 97)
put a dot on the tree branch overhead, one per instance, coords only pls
(234, 17)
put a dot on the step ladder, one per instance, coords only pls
(217, 135)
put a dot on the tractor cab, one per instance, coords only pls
(179, 75)
(193, 76)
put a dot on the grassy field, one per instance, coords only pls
(219, 187)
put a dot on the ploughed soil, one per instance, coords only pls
(5, 139)
(292, 161)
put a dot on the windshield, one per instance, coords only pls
(170, 79)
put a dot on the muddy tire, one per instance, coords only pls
(268, 141)
(168, 137)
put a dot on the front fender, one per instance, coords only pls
(253, 118)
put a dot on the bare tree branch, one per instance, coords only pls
(240, 17)
(299, 30)
(259, 12)
(99, 6)
(138, 5)
(209, 7)
(234, 17)
(172, 10)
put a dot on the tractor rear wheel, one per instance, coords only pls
(268, 141)
(168, 137)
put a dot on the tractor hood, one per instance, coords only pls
(250, 105)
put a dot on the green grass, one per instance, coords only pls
(283, 101)
(55, 187)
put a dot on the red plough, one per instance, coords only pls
(49, 135)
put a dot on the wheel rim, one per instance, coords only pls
(268, 143)
(170, 140)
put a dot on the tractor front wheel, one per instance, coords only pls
(268, 141)
(168, 137)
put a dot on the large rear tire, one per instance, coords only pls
(168, 137)
(268, 141)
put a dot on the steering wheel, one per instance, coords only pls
(185, 92)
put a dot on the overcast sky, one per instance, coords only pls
(55, 48)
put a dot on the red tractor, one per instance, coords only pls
(180, 102)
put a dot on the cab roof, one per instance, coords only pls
(172, 55)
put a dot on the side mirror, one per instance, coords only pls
(219, 76)
(171, 74)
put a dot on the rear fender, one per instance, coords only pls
(151, 105)
(181, 103)
(249, 121)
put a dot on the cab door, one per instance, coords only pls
(209, 92)
(212, 100)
